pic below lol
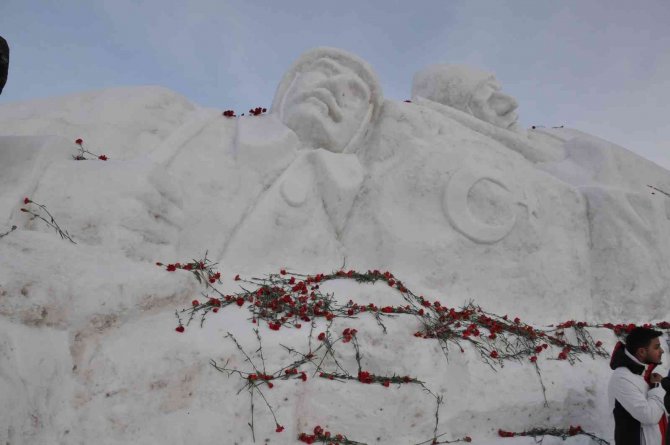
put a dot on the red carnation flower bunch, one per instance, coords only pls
(257, 111)
(563, 433)
(82, 152)
(287, 299)
(325, 436)
(204, 270)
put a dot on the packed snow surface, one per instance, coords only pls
(547, 225)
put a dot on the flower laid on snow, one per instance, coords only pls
(287, 299)
(321, 435)
(563, 433)
(229, 113)
(43, 214)
(290, 299)
(82, 152)
(204, 270)
(257, 111)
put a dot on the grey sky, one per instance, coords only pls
(599, 66)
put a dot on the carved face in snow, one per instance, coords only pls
(467, 89)
(490, 104)
(328, 100)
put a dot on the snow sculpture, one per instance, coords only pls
(473, 98)
(329, 97)
(470, 90)
(442, 196)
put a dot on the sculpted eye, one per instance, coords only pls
(359, 89)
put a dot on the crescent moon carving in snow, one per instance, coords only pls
(457, 210)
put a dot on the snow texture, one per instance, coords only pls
(549, 225)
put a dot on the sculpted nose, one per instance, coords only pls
(503, 103)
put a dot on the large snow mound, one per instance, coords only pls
(547, 225)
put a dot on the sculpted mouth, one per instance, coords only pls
(324, 96)
(515, 118)
(510, 116)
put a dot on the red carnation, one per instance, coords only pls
(364, 377)
(195, 303)
(306, 438)
(279, 428)
(79, 141)
(179, 329)
(102, 157)
(322, 336)
(494, 354)
(171, 267)
(574, 430)
(26, 200)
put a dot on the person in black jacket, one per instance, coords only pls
(4, 62)
(637, 398)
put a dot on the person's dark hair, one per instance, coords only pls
(640, 338)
